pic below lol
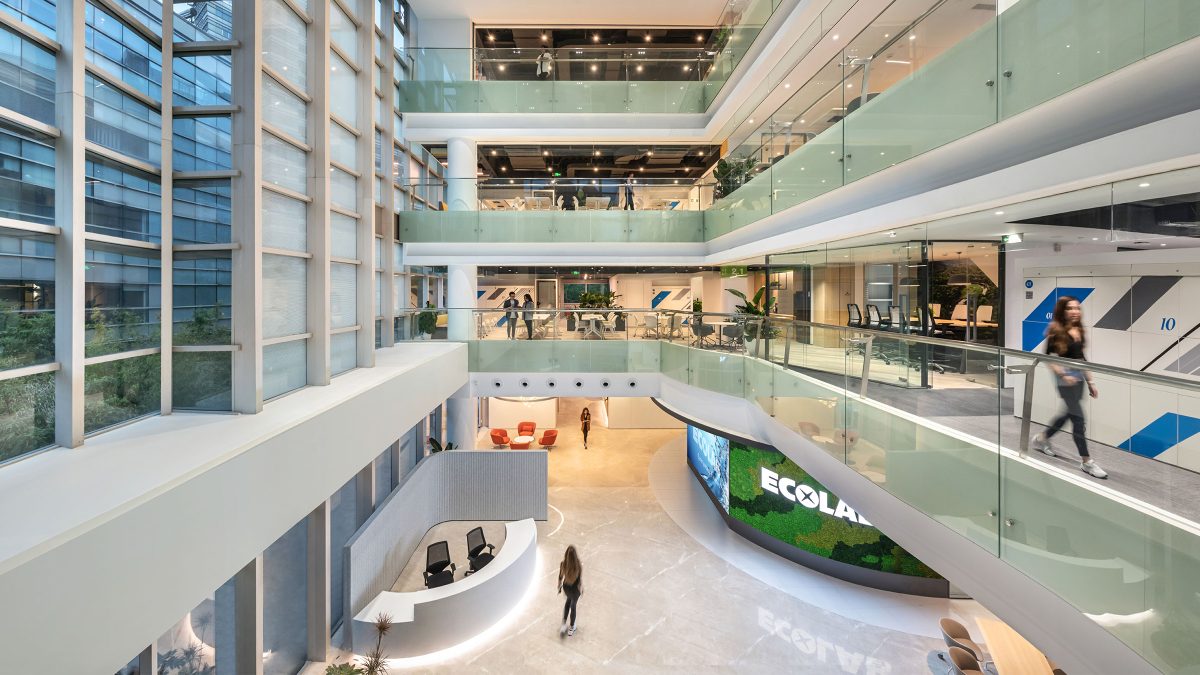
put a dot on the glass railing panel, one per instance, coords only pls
(811, 171)
(1049, 47)
(675, 361)
(810, 389)
(666, 97)
(1169, 22)
(898, 437)
(758, 378)
(513, 356)
(509, 226)
(666, 226)
(716, 371)
(952, 96)
(645, 356)
(594, 226)
(439, 226)
(745, 205)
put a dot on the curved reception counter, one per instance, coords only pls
(427, 621)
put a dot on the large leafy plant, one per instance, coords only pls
(601, 300)
(427, 321)
(732, 173)
(751, 309)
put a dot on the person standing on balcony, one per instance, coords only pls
(510, 316)
(1066, 339)
(544, 64)
(527, 316)
(585, 424)
(629, 192)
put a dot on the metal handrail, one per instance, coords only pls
(993, 350)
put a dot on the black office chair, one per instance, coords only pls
(875, 320)
(895, 322)
(733, 336)
(439, 571)
(856, 317)
(476, 556)
(701, 333)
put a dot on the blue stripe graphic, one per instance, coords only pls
(479, 294)
(662, 295)
(1033, 328)
(1162, 434)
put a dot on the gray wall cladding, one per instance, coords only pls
(501, 485)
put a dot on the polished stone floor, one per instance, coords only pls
(665, 589)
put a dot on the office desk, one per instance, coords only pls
(1012, 653)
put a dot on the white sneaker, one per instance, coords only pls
(1040, 443)
(571, 632)
(1090, 467)
(562, 630)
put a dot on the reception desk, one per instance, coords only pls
(434, 619)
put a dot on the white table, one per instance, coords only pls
(592, 324)
(523, 439)
(597, 203)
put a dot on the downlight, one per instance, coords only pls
(633, 384)
(604, 383)
(551, 383)
(578, 384)
(497, 384)
(524, 383)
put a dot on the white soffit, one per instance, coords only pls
(574, 12)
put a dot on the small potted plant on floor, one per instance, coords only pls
(427, 322)
(752, 315)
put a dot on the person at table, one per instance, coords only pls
(527, 315)
(585, 424)
(629, 192)
(511, 316)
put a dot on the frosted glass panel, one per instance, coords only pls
(342, 32)
(343, 100)
(284, 222)
(343, 145)
(397, 293)
(343, 287)
(343, 352)
(343, 189)
(343, 236)
(379, 294)
(285, 43)
(284, 295)
(283, 109)
(284, 164)
(285, 367)
(378, 252)
(397, 256)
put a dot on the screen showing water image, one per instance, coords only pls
(709, 456)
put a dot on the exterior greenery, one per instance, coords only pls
(805, 528)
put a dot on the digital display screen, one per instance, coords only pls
(764, 489)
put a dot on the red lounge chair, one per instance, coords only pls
(519, 446)
(500, 437)
(549, 437)
(526, 428)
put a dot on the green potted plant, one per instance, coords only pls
(731, 173)
(750, 314)
(427, 321)
(436, 446)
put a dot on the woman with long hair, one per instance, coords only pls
(570, 581)
(527, 315)
(585, 424)
(1066, 338)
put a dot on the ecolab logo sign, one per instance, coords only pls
(808, 497)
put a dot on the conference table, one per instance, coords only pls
(1012, 654)
(593, 324)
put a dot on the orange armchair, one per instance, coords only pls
(549, 436)
(500, 437)
(519, 446)
(526, 428)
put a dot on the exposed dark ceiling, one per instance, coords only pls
(598, 161)
(591, 270)
(532, 38)
(1176, 215)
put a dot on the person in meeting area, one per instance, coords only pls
(527, 315)
(570, 581)
(543, 64)
(1066, 338)
(585, 424)
(629, 192)
(511, 316)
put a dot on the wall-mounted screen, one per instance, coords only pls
(709, 456)
(761, 487)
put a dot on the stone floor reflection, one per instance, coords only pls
(657, 599)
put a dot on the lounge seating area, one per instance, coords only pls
(524, 438)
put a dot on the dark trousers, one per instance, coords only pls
(512, 327)
(571, 605)
(629, 200)
(1072, 395)
(585, 433)
(528, 329)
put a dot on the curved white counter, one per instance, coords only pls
(433, 619)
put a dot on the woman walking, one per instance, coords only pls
(570, 581)
(1066, 338)
(527, 315)
(585, 424)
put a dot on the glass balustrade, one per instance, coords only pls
(583, 79)
(904, 86)
(560, 210)
(1125, 550)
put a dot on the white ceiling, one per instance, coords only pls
(574, 12)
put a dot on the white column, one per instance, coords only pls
(248, 618)
(318, 583)
(462, 161)
(167, 205)
(69, 254)
(461, 428)
(461, 285)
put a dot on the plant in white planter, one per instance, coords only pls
(752, 315)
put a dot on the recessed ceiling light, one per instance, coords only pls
(699, 37)
(502, 67)
(686, 68)
(912, 37)
(639, 68)
(504, 168)
(493, 153)
(595, 37)
(801, 121)
(595, 67)
(647, 38)
(649, 153)
(1143, 185)
(545, 37)
(595, 169)
(491, 38)
(545, 153)
(597, 153)
(750, 121)
(1162, 244)
(835, 37)
(641, 168)
(999, 213)
(787, 85)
